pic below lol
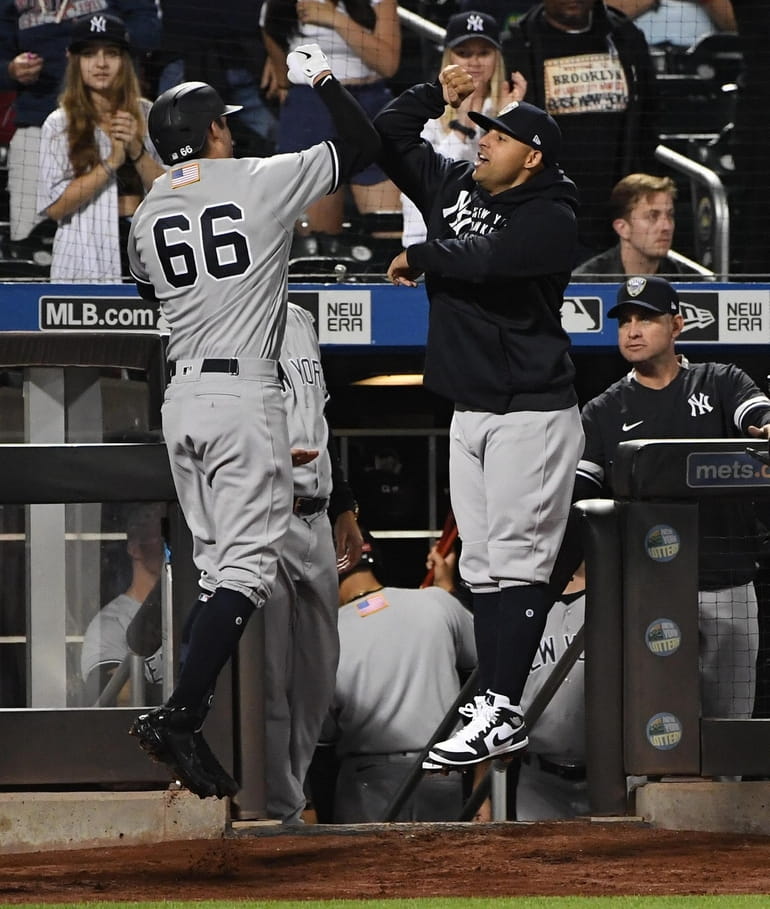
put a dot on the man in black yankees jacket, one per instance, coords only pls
(500, 244)
(666, 396)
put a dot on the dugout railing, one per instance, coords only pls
(642, 685)
(50, 743)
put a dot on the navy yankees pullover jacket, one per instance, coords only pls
(495, 269)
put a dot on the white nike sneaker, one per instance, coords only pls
(497, 728)
(469, 712)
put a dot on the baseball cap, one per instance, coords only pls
(648, 292)
(103, 27)
(472, 24)
(528, 124)
(370, 557)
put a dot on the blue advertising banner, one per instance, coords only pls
(380, 315)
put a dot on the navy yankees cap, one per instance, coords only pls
(103, 27)
(648, 292)
(472, 24)
(528, 124)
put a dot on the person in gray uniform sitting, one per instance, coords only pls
(402, 652)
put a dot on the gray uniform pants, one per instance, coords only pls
(367, 783)
(228, 448)
(301, 654)
(511, 478)
(729, 641)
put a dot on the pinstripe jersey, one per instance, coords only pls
(704, 401)
(212, 238)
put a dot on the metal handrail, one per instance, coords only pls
(708, 178)
(423, 27)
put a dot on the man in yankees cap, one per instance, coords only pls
(664, 396)
(210, 243)
(501, 243)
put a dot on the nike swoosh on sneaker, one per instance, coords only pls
(497, 740)
(627, 426)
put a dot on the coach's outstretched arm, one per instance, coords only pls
(357, 142)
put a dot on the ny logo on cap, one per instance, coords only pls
(508, 107)
(635, 286)
(474, 23)
(98, 24)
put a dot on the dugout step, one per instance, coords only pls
(43, 821)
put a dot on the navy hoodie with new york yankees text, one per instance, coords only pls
(496, 267)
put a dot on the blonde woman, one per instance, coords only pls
(96, 161)
(473, 42)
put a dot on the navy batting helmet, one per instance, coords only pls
(180, 117)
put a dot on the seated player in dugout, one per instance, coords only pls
(106, 640)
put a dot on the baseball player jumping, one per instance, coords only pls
(502, 240)
(211, 244)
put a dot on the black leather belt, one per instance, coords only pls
(306, 506)
(226, 365)
(573, 772)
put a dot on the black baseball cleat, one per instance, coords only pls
(168, 736)
(226, 785)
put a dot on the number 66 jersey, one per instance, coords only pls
(211, 240)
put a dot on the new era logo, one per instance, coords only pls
(98, 24)
(536, 140)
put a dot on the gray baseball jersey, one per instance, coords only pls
(306, 397)
(559, 732)
(105, 639)
(400, 652)
(212, 237)
(211, 242)
(551, 781)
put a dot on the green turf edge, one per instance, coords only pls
(702, 901)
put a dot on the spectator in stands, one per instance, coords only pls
(642, 211)
(681, 23)
(362, 40)
(400, 654)
(473, 42)
(590, 67)
(96, 160)
(33, 44)
(220, 42)
(104, 644)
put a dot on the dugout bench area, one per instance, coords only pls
(642, 699)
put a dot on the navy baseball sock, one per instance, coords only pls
(523, 611)
(486, 608)
(192, 617)
(214, 636)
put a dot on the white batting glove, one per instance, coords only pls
(305, 63)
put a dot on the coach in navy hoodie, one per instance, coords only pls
(502, 240)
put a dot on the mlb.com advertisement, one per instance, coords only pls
(97, 314)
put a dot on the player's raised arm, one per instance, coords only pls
(357, 142)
